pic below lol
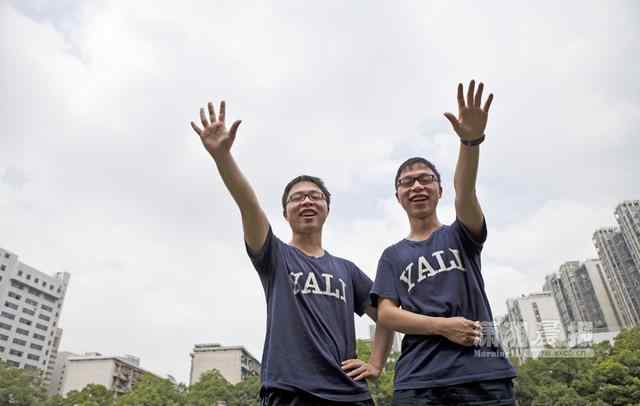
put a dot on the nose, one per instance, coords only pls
(413, 185)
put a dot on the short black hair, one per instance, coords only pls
(304, 178)
(417, 160)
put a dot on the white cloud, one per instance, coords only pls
(101, 175)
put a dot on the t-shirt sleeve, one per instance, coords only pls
(385, 285)
(469, 242)
(361, 287)
(264, 260)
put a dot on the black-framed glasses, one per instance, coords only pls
(424, 179)
(313, 195)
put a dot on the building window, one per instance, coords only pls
(13, 363)
(33, 357)
(19, 273)
(5, 326)
(28, 311)
(36, 280)
(22, 331)
(38, 336)
(16, 353)
(25, 321)
(28, 276)
(11, 305)
(19, 342)
(27, 366)
(8, 315)
(1, 349)
(3, 267)
(31, 302)
(47, 308)
(44, 317)
(6, 255)
(4, 337)
(36, 346)
(15, 295)
(41, 327)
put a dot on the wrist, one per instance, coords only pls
(438, 326)
(473, 141)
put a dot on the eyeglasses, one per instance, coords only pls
(313, 195)
(424, 179)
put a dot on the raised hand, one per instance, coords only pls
(214, 135)
(461, 331)
(472, 119)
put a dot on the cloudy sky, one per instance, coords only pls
(101, 175)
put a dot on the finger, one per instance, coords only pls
(363, 375)
(487, 104)
(234, 129)
(453, 120)
(460, 97)
(478, 99)
(212, 113)
(223, 111)
(350, 364)
(203, 119)
(357, 371)
(196, 128)
(470, 93)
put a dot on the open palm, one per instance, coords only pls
(215, 136)
(472, 119)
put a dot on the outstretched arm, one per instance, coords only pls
(217, 140)
(469, 126)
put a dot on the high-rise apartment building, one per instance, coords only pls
(595, 297)
(628, 217)
(621, 274)
(581, 295)
(234, 363)
(30, 306)
(532, 323)
(58, 373)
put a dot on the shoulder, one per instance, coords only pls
(394, 251)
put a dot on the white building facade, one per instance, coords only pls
(31, 302)
(118, 374)
(235, 363)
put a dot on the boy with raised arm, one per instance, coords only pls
(429, 285)
(309, 355)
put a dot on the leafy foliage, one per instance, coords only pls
(611, 377)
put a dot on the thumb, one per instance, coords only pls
(234, 129)
(453, 120)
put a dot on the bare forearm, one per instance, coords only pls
(407, 322)
(255, 223)
(466, 174)
(382, 343)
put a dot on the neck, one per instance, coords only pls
(422, 228)
(309, 243)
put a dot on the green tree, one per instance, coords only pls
(382, 388)
(210, 389)
(153, 391)
(20, 387)
(90, 395)
(246, 393)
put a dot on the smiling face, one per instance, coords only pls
(417, 195)
(306, 208)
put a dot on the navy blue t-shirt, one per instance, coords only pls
(310, 324)
(441, 277)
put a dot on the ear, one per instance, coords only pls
(397, 197)
(284, 213)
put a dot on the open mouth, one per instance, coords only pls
(308, 213)
(419, 198)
